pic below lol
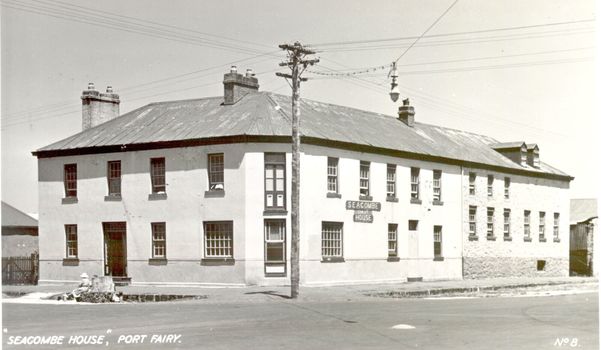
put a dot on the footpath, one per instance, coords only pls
(251, 294)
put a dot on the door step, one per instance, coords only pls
(121, 280)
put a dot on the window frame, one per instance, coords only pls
(472, 220)
(437, 242)
(216, 168)
(415, 183)
(507, 224)
(113, 178)
(336, 250)
(391, 180)
(274, 242)
(472, 183)
(556, 227)
(437, 185)
(490, 185)
(158, 175)
(364, 178)
(272, 165)
(506, 184)
(393, 240)
(228, 236)
(157, 228)
(332, 179)
(541, 226)
(70, 180)
(490, 222)
(71, 245)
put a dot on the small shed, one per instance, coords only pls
(583, 219)
(19, 232)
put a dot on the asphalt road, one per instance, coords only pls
(553, 322)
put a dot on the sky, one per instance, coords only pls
(514, 70)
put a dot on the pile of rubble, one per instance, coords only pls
(101, 289)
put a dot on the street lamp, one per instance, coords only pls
(394, 87)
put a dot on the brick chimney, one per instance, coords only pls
(407, 113)
(236, 85)
(98, 107)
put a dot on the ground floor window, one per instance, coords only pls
(437, 242)
(331, 240)
(392, 240)
(275, 247)
(218, 239)
(159, 248)
(71, 239)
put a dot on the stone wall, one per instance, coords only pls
(488, 267)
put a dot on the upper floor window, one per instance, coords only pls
(556, 227)
(114, 177)
(507, 184)
(413, 225)
(437, 185)
(157, 175)
(70, 180)
(392, 240)
(275, 180)
(414, 183)
(527, 225)
(364, 178)
(541, 226)
(491, 180)
(332, 175)
(71, 241)
(159, 247)
(391, 180)
(472, 183)
(219, 239)
(215, 168)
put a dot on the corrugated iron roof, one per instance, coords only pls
(506, 145)
(582, 210)
(12, 216)
(268, 114)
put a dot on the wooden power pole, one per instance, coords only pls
(297, 63)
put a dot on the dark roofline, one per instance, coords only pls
(287, 139)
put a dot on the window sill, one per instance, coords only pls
(491, 238)
(365, 198)
(472, 237)
(157, 196)
(527, 239)
(415, 201)
(438, 258)
(112, 198)
(507, 239)
(332, 259)
(393, 259)
(435, 202)
(69, 200)
(275, 212)
(333, 195)
(71, 262)
(215, 194)
(392, 199)
(157, 261)
(542, 240)
(556, 240)
(217, 261)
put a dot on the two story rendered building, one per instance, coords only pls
(197, 192)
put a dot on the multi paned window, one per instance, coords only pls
(541, 226)
(70, 180)
(472, 183)
(71, 241)
(157, 175)
(414, 183)
(114, 177)
(437, 185)
(506, 223)
(215, 169)
(472, 220)
(364, 178)
(556, 226)
(275, 180)
(332, 175)
(490, 222)
(437, 241)
(159, 246)
(526, 224)
(392, 240)
(331, 240)
(275, 241)
(491, 180)
(391, 180)
(219, 239)
(507, 185)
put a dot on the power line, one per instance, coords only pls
(454, 33)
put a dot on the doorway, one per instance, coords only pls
(115, 249)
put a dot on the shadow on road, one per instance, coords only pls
(270, 292)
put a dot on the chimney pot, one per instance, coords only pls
(91, 86)
(407, 113)
(234, 69)
(249, 73)
(109, 89)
